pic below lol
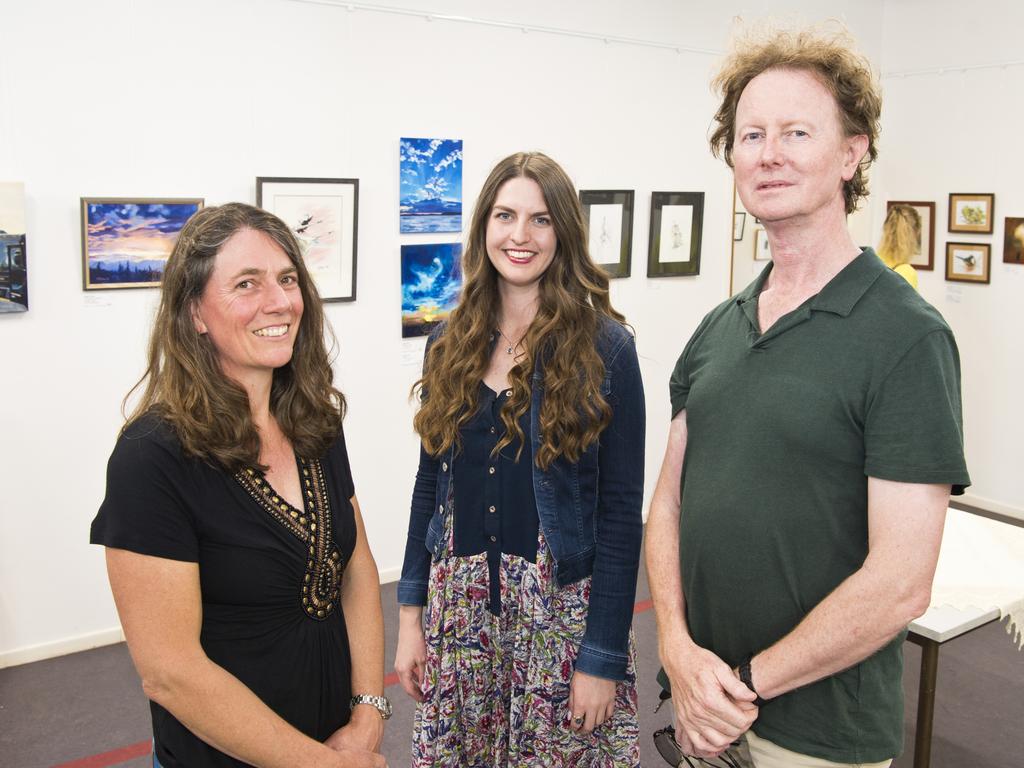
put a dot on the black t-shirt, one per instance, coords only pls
(280, 633)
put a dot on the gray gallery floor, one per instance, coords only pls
(87, 710)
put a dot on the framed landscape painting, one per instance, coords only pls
(431, 282)
(323, 214)
(126, 240)
(430, 185)
(924, 256)
(609, 216)
(13, 267)
(676, 223)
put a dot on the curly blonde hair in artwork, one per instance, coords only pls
(901, 235)
(830, 55)
(573, 297)
(184, 382)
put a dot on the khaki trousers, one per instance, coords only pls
(766, 754)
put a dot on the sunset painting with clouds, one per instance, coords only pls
(126, 241)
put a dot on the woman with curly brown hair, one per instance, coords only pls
(524, 537)
(235, 547)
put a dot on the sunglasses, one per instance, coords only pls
(668, 748)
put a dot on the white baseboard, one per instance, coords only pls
(30, 653)
(110, 636)
(990, 505)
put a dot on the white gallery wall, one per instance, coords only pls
(952, 123)
(197, 98)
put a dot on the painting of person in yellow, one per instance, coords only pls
(901, 239)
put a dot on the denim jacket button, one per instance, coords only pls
(490, 470)
(444, 466)
(492, 509)
(441, 508)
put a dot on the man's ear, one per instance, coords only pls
(197, 321)
(856, 148)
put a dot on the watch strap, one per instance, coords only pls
(747, 679)
(380, 703)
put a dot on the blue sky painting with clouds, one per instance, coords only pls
(430, 185)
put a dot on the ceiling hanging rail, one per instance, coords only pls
(952, 68)
(525, 28)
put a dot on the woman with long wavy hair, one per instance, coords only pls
(235, 547)
(524, 534)
(901, 239)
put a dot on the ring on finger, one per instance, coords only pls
(578, 720)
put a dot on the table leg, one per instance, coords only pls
(926, 703)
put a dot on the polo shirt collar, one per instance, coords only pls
(841, 294)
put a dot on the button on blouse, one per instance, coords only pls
(495, 510)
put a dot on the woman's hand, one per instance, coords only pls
(364, 730)
(591, 701)
(356, 758)
(411, 656)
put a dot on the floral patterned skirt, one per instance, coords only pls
(496, 688)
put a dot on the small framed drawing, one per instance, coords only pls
(739, 223)
(762, 248)
(971, 213)
(126, 240)
(677, 220)
(324, 216)
(609, 216)
(924, 256)
(1013, 241)
(968, 262)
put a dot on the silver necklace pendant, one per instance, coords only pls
(509, 349)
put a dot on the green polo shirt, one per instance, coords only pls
(783, 430)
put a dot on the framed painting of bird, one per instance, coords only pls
(968, 262)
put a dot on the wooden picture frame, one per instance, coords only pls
(609, 217)
(677, 221)
(739, 223)
(323, 214)
(925, 257)
(1013, 240)
(972, 212)
(126, 241)
(762, 248)
(968, 262)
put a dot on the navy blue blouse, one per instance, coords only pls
(495, 510)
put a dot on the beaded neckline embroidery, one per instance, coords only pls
(321, 584)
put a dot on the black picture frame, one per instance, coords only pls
(599, 251)
(739, 225)
(674, 258)
(339, 198)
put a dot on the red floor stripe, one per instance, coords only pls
(124, 754)
(643, 605)
(113, 757)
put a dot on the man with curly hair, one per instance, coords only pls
(796, 523)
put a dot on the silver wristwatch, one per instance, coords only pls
(380, 703)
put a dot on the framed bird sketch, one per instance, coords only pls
(968, 262)
(323, 214)
(676, 223)
(609, 215)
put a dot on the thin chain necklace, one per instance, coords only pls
(511, 346)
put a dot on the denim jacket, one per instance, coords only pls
(590, 511)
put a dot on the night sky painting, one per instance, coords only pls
(431, 281)
(430, 188)
(127, 242)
